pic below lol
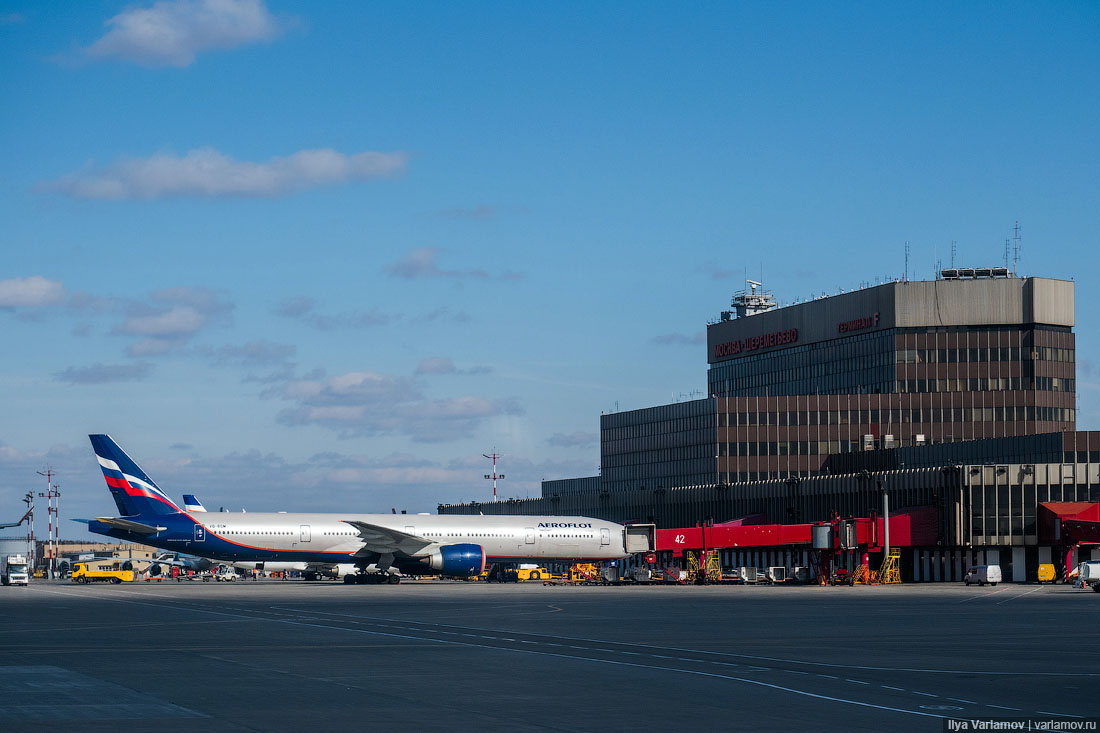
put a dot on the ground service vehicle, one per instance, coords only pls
(982, 574)
(532, 573)
(90, 572)
(1046, 573)
(13, 570)
(1088, 573)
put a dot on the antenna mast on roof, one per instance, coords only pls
(1015, 248)
(906, 260)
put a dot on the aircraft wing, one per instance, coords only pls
(16, 524)
(385, 540)
(130, 526)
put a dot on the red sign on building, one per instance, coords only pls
(752, 343)
(857, 324)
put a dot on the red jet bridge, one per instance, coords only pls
(1069, 525)
(909, 527)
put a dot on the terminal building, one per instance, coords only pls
(957, 393)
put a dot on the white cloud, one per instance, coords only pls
(251, 353)
(172, 32)
(302, 308)
(436, 365)
(443, 365)
(208, 173)
(30, 292)
(369, 403)
(173, 318)
(578, 439)
(104, 373)
(177, 321)
(420, 262)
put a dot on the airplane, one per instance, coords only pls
(360, 548)
(183, 561)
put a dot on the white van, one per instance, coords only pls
(982, 574)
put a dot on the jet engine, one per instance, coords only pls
(458, 561)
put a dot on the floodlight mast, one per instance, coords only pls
(494, 475)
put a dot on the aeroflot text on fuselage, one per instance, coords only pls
(564, 525)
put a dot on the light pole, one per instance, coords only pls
(885, 515)
(52, 491)
(494, 476)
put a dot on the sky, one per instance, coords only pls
(324, 256)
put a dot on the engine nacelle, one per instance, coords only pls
(458, 561)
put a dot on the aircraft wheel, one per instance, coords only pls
(349, 579)
(393, 579)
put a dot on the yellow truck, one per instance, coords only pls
(90, 572)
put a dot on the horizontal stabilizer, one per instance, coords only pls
(384, 540)
(129, 525)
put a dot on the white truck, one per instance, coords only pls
(13, 570)
(1088, 575)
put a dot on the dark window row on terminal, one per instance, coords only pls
(1067, 447)
(1009, 510)
(895, 416)
(654, 428)
(855, 364)
(988, 384)
(852, 364)
(880, 382)
(983, 355)
(643, 455)
(786, 448)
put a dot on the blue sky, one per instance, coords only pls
(323, 256)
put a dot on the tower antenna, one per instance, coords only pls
(1016, 247)
(907, 260)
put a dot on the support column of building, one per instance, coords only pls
(1019, 565)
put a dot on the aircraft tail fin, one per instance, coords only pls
(134, 492)
(191, 504)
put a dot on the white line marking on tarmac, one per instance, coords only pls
(858, 682)
(1001, 707)
(1019, 596)
(926, 694)
(706, 652)
(1058, 715)
(984, 595)
(968, 702)
(310, 623)
(625, 664)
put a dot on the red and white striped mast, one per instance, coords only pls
(494, 476)
(51, 538)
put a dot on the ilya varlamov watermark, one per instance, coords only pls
(1023, 724)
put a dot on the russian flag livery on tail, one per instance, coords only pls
(134, 492)
(360, 548)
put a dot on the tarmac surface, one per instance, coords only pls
(437, 655)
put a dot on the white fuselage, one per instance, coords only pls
(329, 538)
